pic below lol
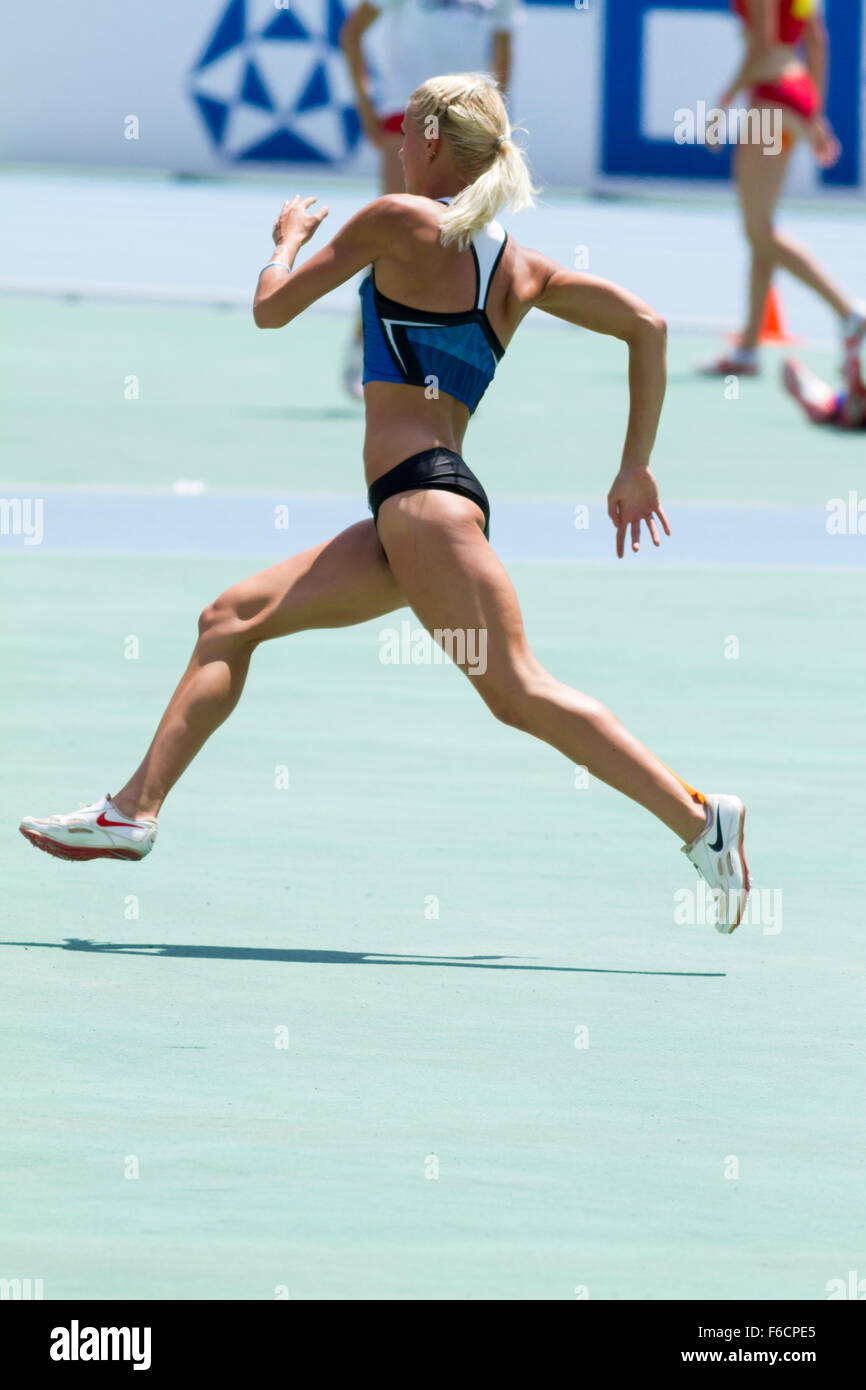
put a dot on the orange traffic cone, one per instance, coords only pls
(772, 331)
(772, 324)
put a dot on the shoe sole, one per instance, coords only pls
(727, 370)
(75, 852)
(741, 831)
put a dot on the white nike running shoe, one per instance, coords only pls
(717, 854)
(95, 832)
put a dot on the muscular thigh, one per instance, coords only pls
(760, 178)
(340, 582)
(454, 581)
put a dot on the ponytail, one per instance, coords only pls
(467, 110)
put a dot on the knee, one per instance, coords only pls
(526, 704)
(212, 616)
(517, 700)
(761, 237)
(509, 707)
(220, 622)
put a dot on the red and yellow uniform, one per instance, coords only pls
(795, 90)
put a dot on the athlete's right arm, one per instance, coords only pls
(280, 297)
(352, 32)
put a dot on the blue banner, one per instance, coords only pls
(625, 150)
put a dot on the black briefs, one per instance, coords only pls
(437, 467)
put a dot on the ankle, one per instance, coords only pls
(699, 820)
(131, 807)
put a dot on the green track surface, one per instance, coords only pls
(308, 908)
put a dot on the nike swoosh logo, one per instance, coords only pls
(719, 836)
(102, 820)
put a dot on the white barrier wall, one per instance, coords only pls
(201, 86)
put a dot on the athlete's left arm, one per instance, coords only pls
(502, 21)
(603, 307)
(280, 297)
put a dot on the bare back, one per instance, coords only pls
(416, 270)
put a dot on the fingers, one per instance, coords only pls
(629, 517)
(830, 157)
(296, 214)
(614, 512)
(623, 524)
(296, 201)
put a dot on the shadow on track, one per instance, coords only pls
(274, 956)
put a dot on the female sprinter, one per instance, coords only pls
(781, 81)
(420, 37)
(446, 291)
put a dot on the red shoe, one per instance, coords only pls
(817, 398)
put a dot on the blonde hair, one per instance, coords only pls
(467, 110)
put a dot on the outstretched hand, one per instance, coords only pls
(633, 498)
(295, 223)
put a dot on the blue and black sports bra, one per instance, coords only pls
(411, 346)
